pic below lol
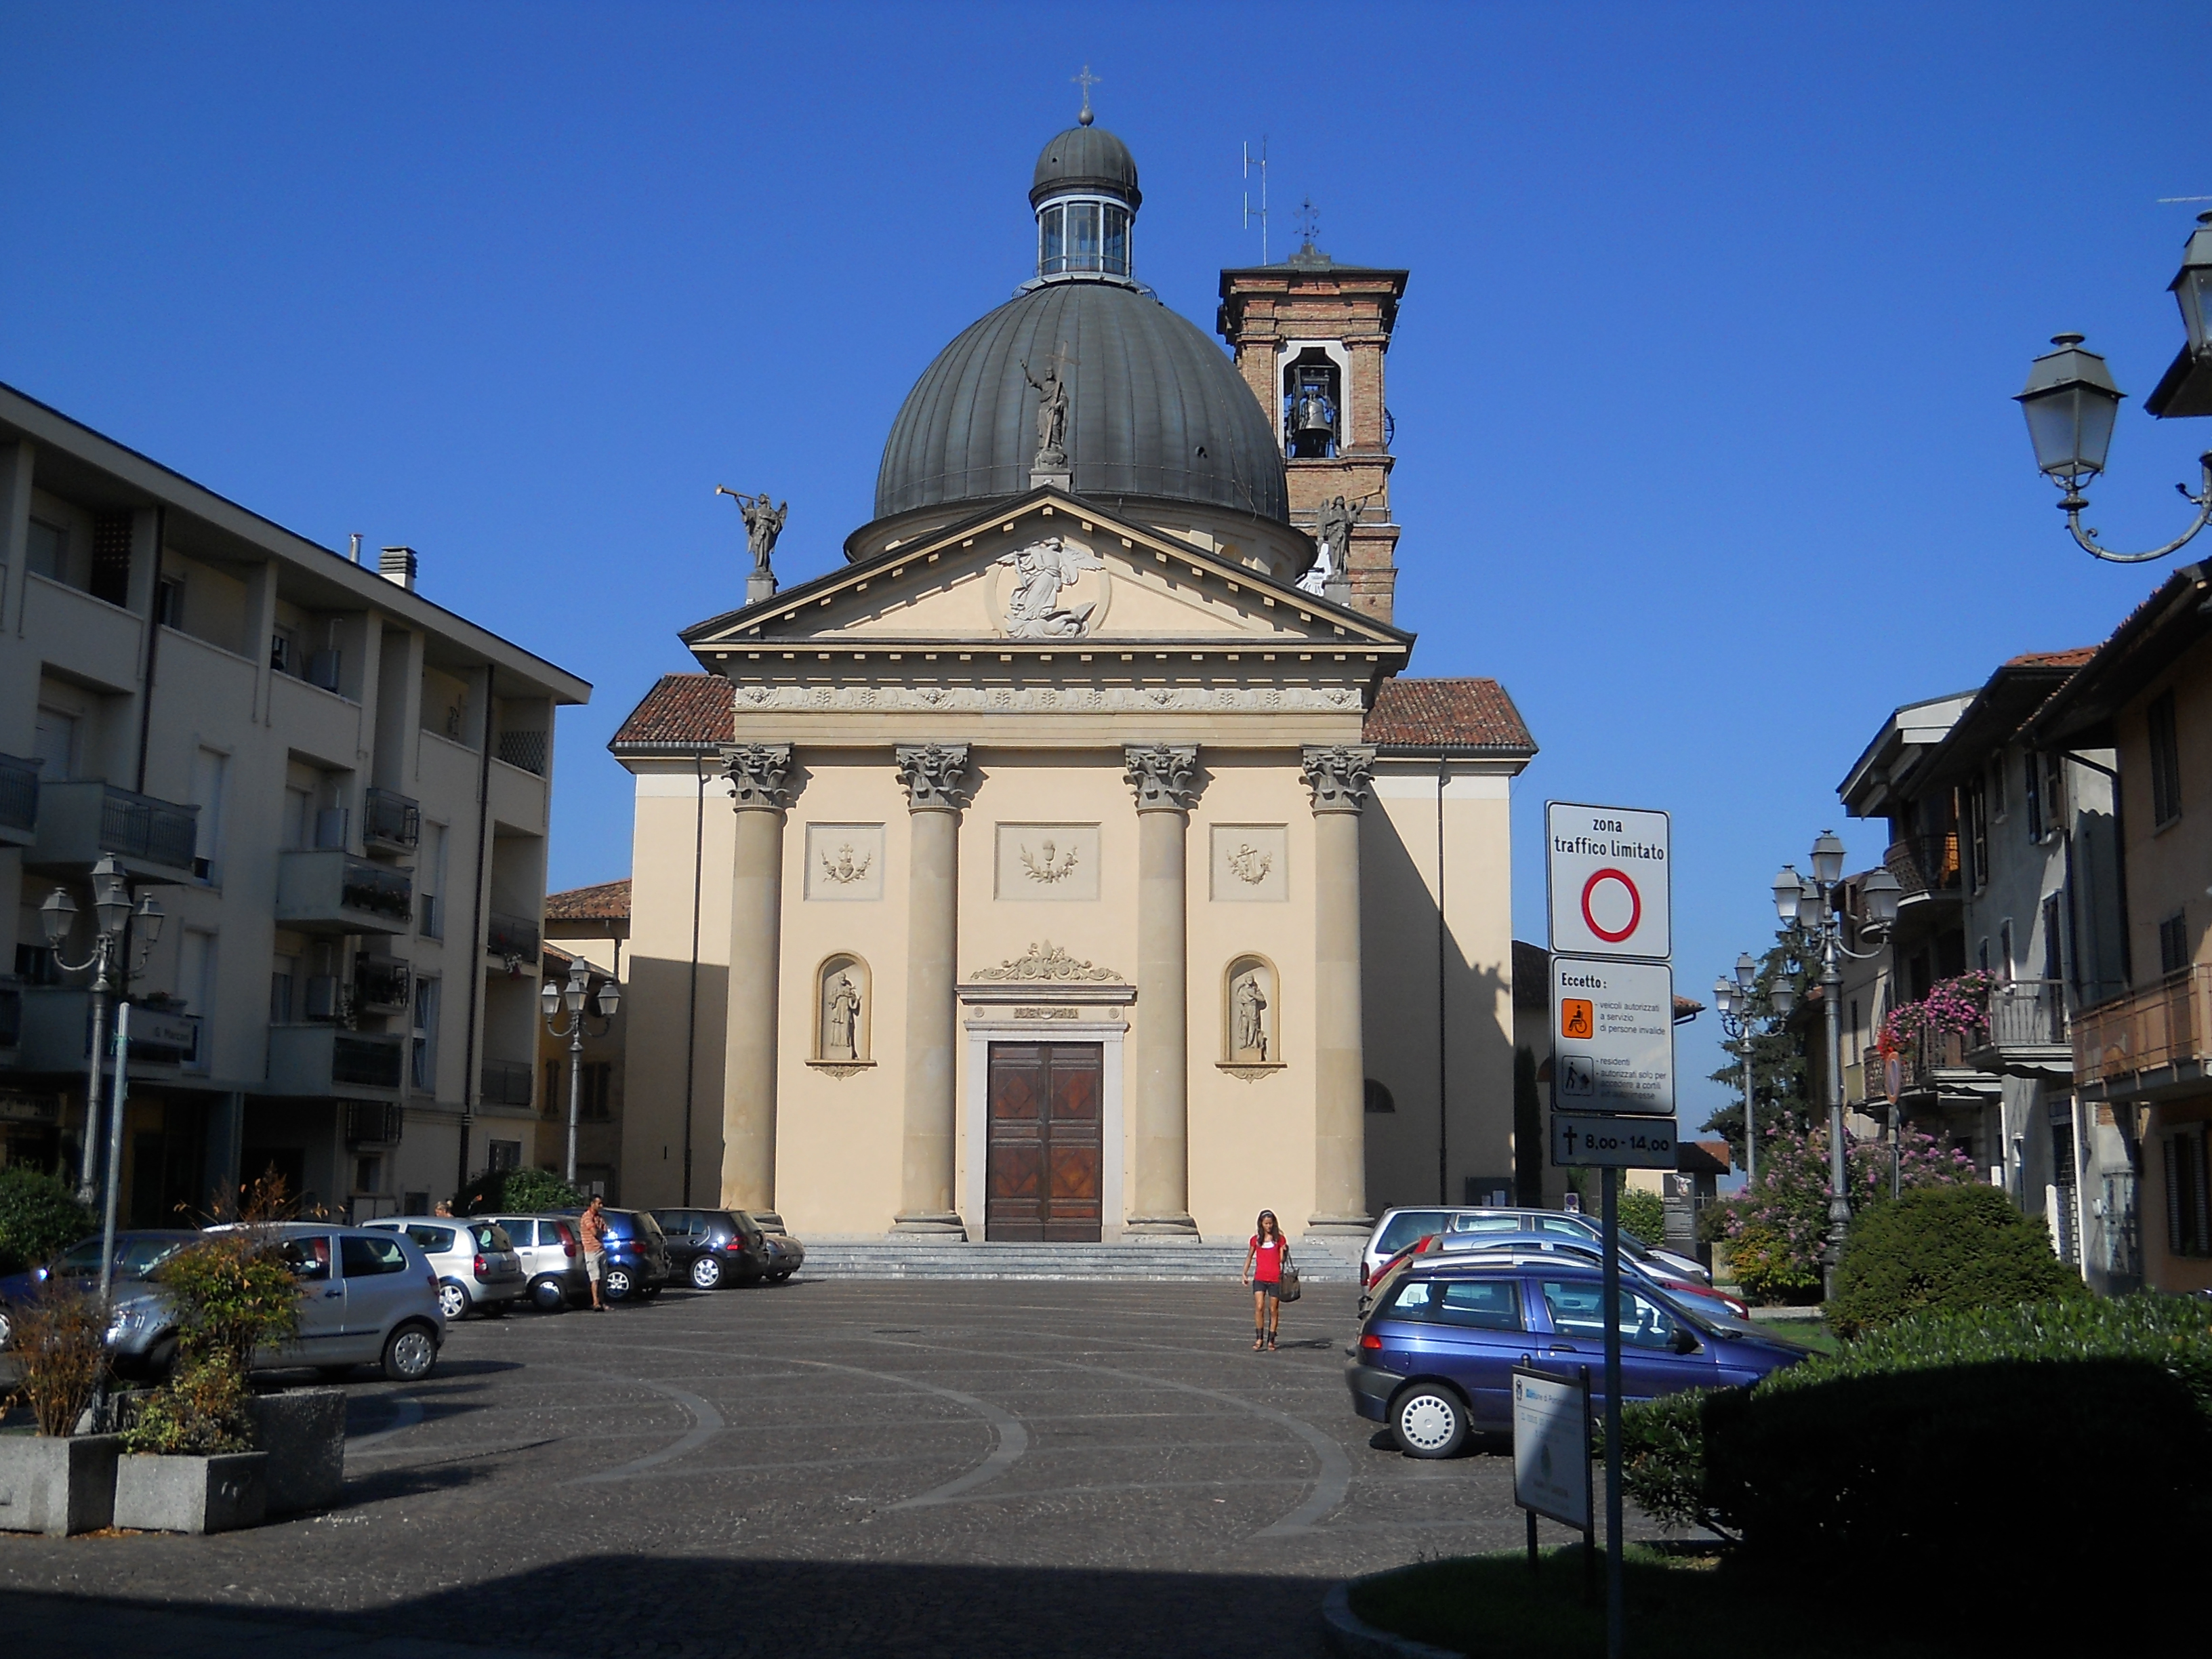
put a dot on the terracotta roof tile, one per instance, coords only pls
(1455, 713)
(607, 902)
(682, 711)
(2073, 659)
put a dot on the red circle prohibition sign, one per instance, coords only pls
(1635, 905)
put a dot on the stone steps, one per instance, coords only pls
(1319, 1263)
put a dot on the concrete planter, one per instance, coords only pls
(303, 1431)
(57, 1486)
(191, 1494)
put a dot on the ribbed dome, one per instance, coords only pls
(1155, 411)
(1086, 158)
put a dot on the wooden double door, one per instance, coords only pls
(1042, 1176)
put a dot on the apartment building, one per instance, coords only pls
(337, 792)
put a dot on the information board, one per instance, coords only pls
(1613, 1037)
(1607, 868)
(1551, 1447)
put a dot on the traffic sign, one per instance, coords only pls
(1607, 868)
(1612, 1036)
(1612, 1143)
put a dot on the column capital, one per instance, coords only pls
(1338, 775)
(1160, 774)
(755, 774)
(935, 776)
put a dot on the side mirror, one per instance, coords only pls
(1683, 1341)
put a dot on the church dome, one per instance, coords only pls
(1156, 410)
(1089, 159)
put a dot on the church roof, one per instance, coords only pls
(607, 901)
(682, 712)
(1086, 158)
(1469, 716)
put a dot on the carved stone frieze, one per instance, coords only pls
(1338, 775)
(1160, 773)
(1049, 698)
(935, 776)
(1044, 964)
(756, 772)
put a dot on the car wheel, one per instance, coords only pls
(1429, 1422)
(779, 1276)
(617, 1284)
(706, 1272)
(548, 1296)
(452, 1300)
(409, 1352)
(161, 1360)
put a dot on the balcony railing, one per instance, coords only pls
(1925, 864)
(322, 1060)
(512, 936)
(2161, 1028)
(389, 819)
(325, 889)
(507, 1083)
(2027, 1013)
(81, 820)
(382, 986)
(526, 749)
(1928, 1055)
(19, 801)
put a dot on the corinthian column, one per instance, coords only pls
(1338, 776)
(1161, 773)
(756, 772)
(935, 778)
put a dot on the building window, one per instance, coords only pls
(49, 551)
(505, 1154)
(2054, 792)
(2165, 760)
(2174, 943)
(210, 767)
(2004, 949)
(2032, 794)
(599, 1083)
(2188, 1215)
(2054, 955)
(169, 601)
(430, 880)
(422, 1062)
(1379, 1099)
(283, 974)
(1977, 806)
(553, 1085)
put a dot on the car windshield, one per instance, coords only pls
(1403, 1228)
(489, 1237)
(134, 1257)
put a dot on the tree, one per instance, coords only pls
(1779, 1078)
(507, 1191)
(39, 1218)
(1528, 1130)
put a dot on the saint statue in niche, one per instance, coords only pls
(1248, 1013)
(840, 1018)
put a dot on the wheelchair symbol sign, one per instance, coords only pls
(1577, 1018)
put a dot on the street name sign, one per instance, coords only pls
(1612, 1143)
(1608, 869)
(1613, 1037)
(1550, 1448)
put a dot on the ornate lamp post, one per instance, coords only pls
(1810, 904)
(1733, 999)
(550, 997)
(112, 916)
(2071, 402)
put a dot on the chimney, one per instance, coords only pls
(397, 564)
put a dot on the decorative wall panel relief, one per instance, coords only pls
(844, 861)
(1047, 861)
(1251, 863)
(844, 1004)
(1251, 1044)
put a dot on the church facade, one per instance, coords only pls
(1077, 862)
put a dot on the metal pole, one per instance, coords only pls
(576, 1086)
(1750, 1116)
(1896, 1148)
(1839, 1201)
(88, 1184)
(1614, 1613)
(114, 1159)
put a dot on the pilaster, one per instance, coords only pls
(1338, 776)
(756, 773)
(1161, 775)
(935, 776)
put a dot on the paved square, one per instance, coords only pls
(981, 1468)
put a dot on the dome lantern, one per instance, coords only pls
(1085, 195)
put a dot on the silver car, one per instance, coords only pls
(477, 1266)
(1397, 1228)
(366, 1298)
(552, 1265)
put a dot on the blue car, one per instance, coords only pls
(1436, 1356)
(636, 1266)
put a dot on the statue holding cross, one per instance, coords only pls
(1052, 410)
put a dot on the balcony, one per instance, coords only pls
(81, 822)
(1926, 866)
(390, 821)
(2026, 1033)
(373, 1122)
(2152, 1043)
(56, 1033)
(507, 1083)
(19, 801)
(512, 936)
(328, 890)
(382, 986)
(323, 1060)
(529, 751)
(1939, 1066)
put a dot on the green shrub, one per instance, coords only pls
(527, 1191)
(1946, 1247)
(200, 1412)
(1644, 1214)
(234, 1292)
(39, 1218)
(58, 1341)
(1662, 1461)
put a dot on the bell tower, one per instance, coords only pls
(1309, 336)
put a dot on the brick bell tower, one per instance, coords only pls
(1310, 336)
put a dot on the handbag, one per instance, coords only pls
(1290, 1292)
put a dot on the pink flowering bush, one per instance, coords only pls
(1961, 1005)
(1777, 1229)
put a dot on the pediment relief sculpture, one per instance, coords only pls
(1042, 572)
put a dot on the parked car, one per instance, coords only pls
(366, 1298)
(637, 1265)
(477, 1266)
(1397, 1228)
(1435, 1357)
(713, 1247)
(552, 1263)
(1703, 1298)
(137, 1253)
(785, 1255)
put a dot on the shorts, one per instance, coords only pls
(595, 1264)
(1268, 1287)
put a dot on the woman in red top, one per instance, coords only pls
(1263, 1271)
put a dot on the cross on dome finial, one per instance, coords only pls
(1086, 81)
(1308, 218)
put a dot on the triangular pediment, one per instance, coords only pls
(1048, 570)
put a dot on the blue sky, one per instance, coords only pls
(1702, 382)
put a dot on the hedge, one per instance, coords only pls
(1644, 1214)
(506, 1191)
(1953, 1248)
(39, 1218)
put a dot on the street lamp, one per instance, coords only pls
(1813, 905)
(551, 997)
(2071, 402)
(1733, 999)
(112, 914)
